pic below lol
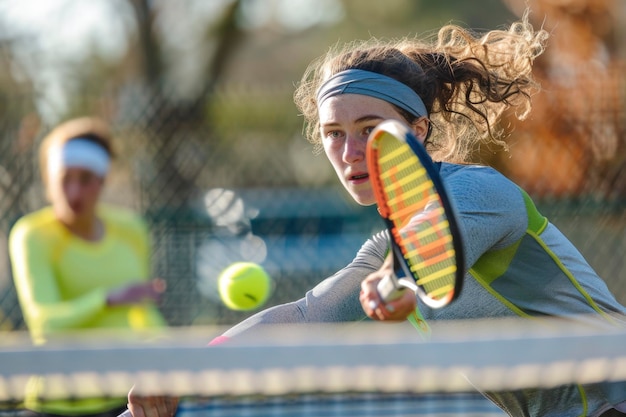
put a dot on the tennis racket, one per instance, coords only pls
(425, 240)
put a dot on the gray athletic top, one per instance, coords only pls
(518, 262)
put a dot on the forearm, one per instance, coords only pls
(336, 299)
(47, 318)
(43, 306)
(333, 300)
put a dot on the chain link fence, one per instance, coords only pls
(229, 178)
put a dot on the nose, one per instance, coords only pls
(72, 190)
(354, 149)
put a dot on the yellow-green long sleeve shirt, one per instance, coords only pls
(62, 281)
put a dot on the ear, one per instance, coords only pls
(421, 128)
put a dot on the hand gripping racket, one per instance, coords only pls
(425, 240)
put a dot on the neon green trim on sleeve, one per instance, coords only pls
(494, 264)
(583, 396)
(536, 221)
(421, 325)
(482, 280)
(571, 278)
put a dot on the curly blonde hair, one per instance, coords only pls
(467, 81)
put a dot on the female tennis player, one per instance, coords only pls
(451, 92)
(79, 264)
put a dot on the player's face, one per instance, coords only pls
(346, 121)
(75, 192)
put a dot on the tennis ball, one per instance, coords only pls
(244, 286)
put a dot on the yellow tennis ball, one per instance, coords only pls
(244, 286)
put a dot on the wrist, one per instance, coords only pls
(219, 340)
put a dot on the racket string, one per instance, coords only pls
(425, 244)
(420, 225)
(408, 198)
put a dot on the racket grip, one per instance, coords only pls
(126, 413)
(389, 288)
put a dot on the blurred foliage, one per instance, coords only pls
(200, 97)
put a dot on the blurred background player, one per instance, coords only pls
(80, 264)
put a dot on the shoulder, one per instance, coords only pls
(122, 220)
(120, 215)
(475, 174)
(480, 182)
(38, 224)
(486, 195)
(491, 207)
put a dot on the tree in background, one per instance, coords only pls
(211, 106)
(574, 143)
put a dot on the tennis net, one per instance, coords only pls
(370, 369)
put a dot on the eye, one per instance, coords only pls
(65, 179)
(333, 134)
(87, 178)
(367, 130)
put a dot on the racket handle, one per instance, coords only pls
(389, 288)
(126, 413)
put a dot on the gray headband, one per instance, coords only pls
(367, 83)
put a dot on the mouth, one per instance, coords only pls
(75, 207)
(359, 177)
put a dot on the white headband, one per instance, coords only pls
(79, 153)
